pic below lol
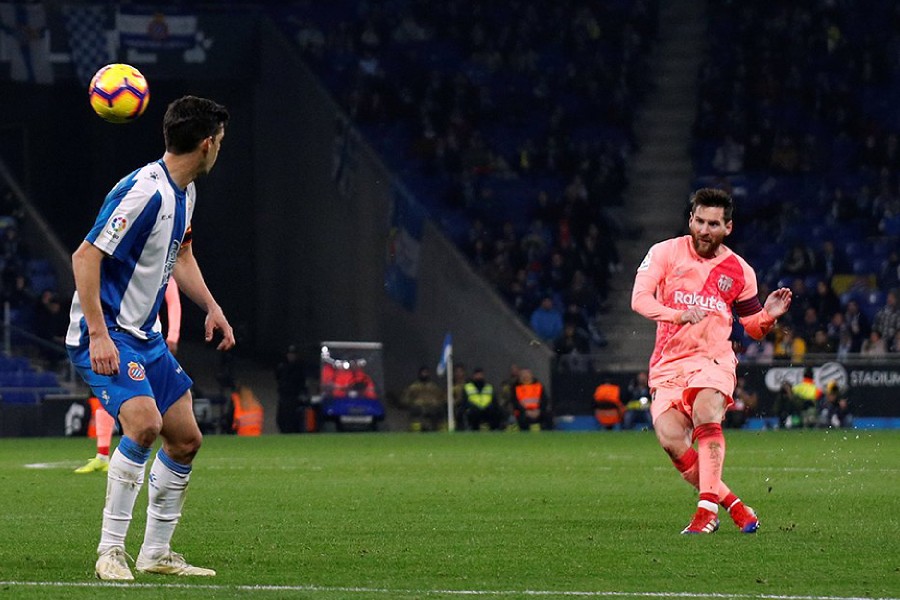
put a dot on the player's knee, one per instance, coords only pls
(709, 407)
(141, 420)
(185, 449)
(708, 414)
(675, 448)
(147, 432)
(674, 440)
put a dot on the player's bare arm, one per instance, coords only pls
(190, 281)
(86, 267)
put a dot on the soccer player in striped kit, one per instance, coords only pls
(691, 286)
(141, 237)
(105, 424)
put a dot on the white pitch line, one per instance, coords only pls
(392, 591)
(68, 464)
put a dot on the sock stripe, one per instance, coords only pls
(133, 451)
(706, 430)
(686, 460)
(175, 467)
(710, 497)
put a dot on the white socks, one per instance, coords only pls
(167, 487)
(123, 483)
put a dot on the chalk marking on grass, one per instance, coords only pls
(63, 464)
(393, 591)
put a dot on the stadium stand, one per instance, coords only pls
(511, 124)
(795, 118)
(24, 378)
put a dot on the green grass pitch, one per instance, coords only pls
(441, 516)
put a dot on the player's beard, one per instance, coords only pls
(707, 246)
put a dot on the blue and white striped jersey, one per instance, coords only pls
(140, 228)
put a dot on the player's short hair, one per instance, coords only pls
(190, 120)
(713, 198)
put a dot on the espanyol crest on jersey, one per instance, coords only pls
(136, 371)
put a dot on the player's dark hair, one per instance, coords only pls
(713, 198)
(190, 120)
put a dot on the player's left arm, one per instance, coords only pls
(758, 320)
(190, 281)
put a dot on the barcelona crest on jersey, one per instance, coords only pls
(725, 283)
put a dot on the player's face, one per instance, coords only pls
(212, 145)
(708, 229)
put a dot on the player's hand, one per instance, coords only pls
(215, 319)
(692, 315)
(778, 302)
(173, 347)
(104, 354)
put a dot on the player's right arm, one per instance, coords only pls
(651, 272)
(86, 267)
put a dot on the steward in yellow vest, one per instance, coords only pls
(807, 397)
(480, 408)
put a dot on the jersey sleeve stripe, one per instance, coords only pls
(747, 307)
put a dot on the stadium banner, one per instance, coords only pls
(85, 26)
(406, 220)
(25, 43)
(151, 30)
(60, 415)
(873, 388)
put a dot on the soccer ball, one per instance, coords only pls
(119, 93)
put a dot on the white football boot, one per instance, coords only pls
(171, 563)
(112, 566)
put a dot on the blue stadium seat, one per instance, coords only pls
(13, 363)
(872, 303)
(857, 249)
(866, 266)
(20, 397)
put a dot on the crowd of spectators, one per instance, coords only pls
(796, 118)
(28, 288)
(511, 123)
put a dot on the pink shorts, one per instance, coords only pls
(680, 391)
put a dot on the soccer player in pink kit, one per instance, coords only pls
(691, 286)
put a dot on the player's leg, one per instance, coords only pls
(169, 478)
(141, 423)
(673, 429)
(127, 397)
(104, 425)
(708, 410)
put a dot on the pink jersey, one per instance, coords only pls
(673, 278)
(173, 307)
